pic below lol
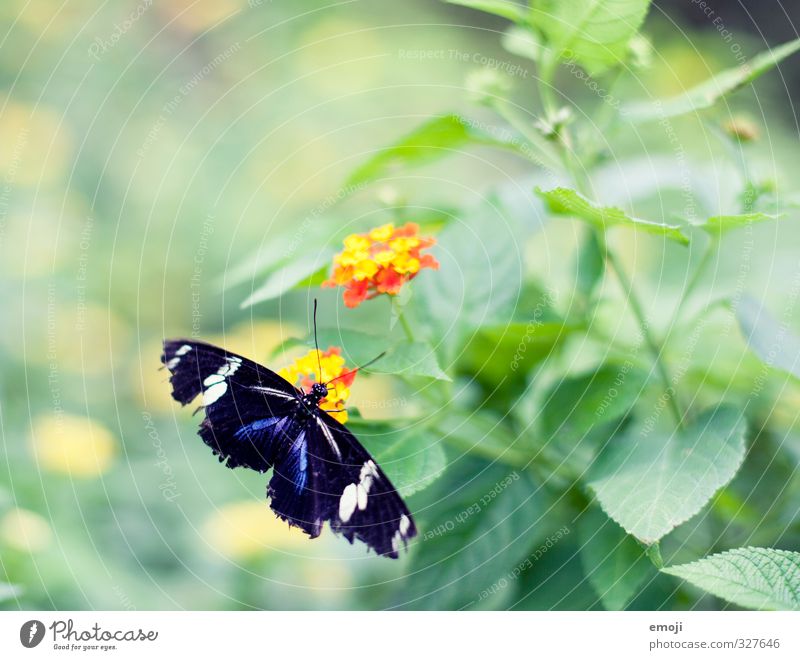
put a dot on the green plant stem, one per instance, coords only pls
(654, 554)
(582, 184)
(697, 276)
(406, 327)
(546, 157)
(655, 348)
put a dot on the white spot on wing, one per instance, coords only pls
(230, 366)
(348, 502)
(214, 392)
(405, 523)
(183, 350)
(368, 474)
(213, 379)
(361, 494)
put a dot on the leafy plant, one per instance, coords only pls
(638, 442)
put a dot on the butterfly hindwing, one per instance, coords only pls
(344, 486)
(247, 407)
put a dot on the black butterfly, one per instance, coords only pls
(256, 419)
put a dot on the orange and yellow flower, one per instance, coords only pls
(380, 261)
(304, 372)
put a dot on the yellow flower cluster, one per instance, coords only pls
(380, 261)
(304, 372)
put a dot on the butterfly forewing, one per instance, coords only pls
(256, 419)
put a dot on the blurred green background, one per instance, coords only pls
(148, 148)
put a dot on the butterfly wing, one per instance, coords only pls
(248, 408)
(329, 476)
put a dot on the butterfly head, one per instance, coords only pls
(319, 391)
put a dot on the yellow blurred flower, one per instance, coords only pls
(77, 446)
(241, 530)
(34, 143)
(25, 530)
(304, 372)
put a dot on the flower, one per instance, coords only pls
(304, 372)
(25, 530)
(73, 445)
(380, 261)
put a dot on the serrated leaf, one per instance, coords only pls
(413, 458)
(579, 405)
(475, 528)
(774, 344)
(755, 578)
(594, 33)
(709, 92)
(433, 140)
(614, 563)
(719, 225)
(503, 8)
(402, 358)
(281, 281)
(651, 481)
(564, 201)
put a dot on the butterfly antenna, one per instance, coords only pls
(316, 343)
(352, 371)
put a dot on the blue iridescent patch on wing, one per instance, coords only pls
(255, 430)
(297, 462)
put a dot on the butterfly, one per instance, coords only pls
(320, 472)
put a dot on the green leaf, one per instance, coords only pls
(709, 92)
(578, 405)
(402, 358)
(503, 8)
(413, 458)
(594, 33)
(483, 434)
(499, 353)
(722, 224)
(523, 43)
(755, 578)
(614, 563)
(479, 279)
(475, 529)
(590, 264)
(564, 201)
(772, 342)
(292, 274)
(651, 481)
(434, 139)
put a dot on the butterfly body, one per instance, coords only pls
(320, 472)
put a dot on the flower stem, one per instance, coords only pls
(398, 311)
(708, 255)
(655, 348)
